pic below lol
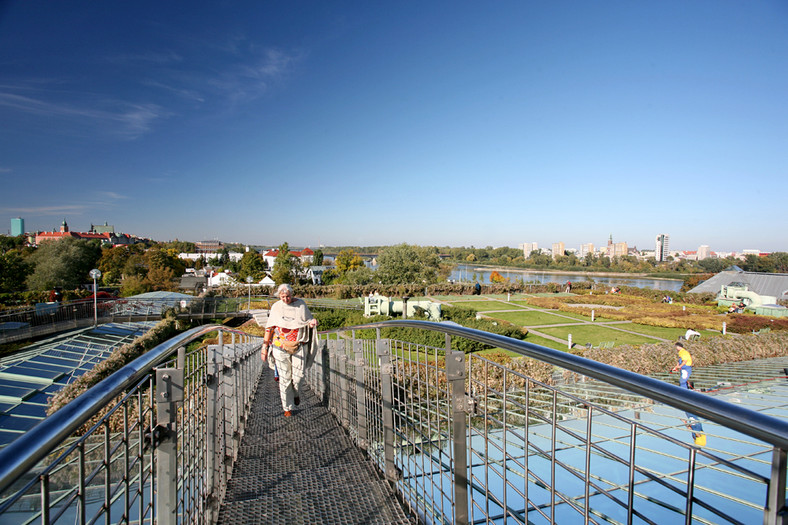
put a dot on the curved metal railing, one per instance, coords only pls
(463, 438)
(160, 430)
(466, 439)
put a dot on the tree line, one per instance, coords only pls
(152, 266)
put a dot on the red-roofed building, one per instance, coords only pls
(306, 255)
(104, 237)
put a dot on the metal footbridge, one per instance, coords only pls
(393, 432)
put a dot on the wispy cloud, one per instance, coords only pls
(5, 170)
(65, 209)
(125, 120)
(153, 57)
(246, 80)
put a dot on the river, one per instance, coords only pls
(471, 273)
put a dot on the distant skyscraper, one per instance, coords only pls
(17, 226)
(528, 247)
(661, 249)
(585, 249)
(558, 249)
(704, 252)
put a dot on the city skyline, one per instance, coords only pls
(597, 248)
(450, 123)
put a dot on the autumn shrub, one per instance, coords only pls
(661, 357)
(747, 323)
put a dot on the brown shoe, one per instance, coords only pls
(297, 400)
(288, 413)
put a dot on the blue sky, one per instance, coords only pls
(366, 123)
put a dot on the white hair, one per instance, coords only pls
(283, 287)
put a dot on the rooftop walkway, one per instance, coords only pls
(303, 469)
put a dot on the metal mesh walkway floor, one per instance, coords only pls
(303, 469)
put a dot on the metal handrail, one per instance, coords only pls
(749, 422)
(21, 455)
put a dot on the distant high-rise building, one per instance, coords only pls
(620, 249)
(587, 248)
(17, 226)
(527, 248)
(662, 246)
(704, 252)
(558, 249)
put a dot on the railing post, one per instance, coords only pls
(455, 374)
(344, 389)
(212, 457)
(169, 393)
(775, 512)
(383, 350)
(361, 405)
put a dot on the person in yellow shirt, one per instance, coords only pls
(684, 365)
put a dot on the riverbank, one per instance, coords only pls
(633, 275)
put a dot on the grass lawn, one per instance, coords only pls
(526, 318)
(549, 343)
(596, 334)
(484, 306)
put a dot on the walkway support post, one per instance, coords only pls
(213, 463)
(169, 394)
(775, 513)
(455, 374)
(361, 396)
(383, 350)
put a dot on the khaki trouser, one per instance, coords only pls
(291, 374)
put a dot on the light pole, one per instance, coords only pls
(249, 280)
(95, 274)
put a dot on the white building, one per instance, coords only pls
(527, 248)
(587, 248)
(704, 252)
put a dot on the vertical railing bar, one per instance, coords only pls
(140, 495)
(44, 499)
(505, 448)
(127, 463)
(631, 479)
(82, 516)
(526, 444)
(554, 423)
(587, 480)
(486, 439)
(152, 468)
(455, 371)
(775, 511)
(690, 485)
(434, 416)
(107, 480)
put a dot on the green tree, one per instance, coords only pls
(406, 264)
(113, 261)
(13, 272)
(780, 260)
(283, 266)
(164, 268)
(8, 242)
(65, 263)
(252, 264)
(347, 261)
(317, 260)
(361, 275)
